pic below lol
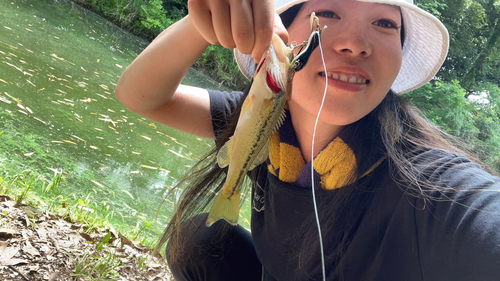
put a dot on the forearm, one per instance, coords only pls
(151, 80)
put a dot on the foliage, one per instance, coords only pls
(474, 29)
(53, 186)
(97, 267)
(464, 98)
(91, 213)
(153, 18)
(445, 105)
(26, 184)
(219, 63)
(176, 9)
(475, 121)
(31, 188)
(148, 18)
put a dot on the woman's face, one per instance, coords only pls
(362, 52)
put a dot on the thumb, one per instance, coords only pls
(280, 29)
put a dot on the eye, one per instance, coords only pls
(327, 14)
(386, 24)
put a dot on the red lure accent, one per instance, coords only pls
(272, 84)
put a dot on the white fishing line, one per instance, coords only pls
(312, 165)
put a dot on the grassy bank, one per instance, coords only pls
(148, 18)
(62, 241)
(47, 194)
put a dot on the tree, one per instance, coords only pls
(477, 122)
(176, 9)
(474, 27)
(471, 70)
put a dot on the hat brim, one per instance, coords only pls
(425, 47)
(424, 50)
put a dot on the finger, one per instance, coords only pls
(242, 23)
(280, 29)
(263, 18)
(201, 17)
(221, 18)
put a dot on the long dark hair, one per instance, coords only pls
(199, 187)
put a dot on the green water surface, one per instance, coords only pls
(59, 64)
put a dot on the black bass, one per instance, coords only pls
(260, 115)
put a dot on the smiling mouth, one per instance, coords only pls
(349, 78)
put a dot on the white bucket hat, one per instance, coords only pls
(424, 49)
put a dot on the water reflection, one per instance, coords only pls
(59, 66)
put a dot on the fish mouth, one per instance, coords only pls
(346, 77)
(275, 60)
(273, 77)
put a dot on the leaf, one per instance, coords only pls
(86, 236)
(105, 239)
(7, 254)
(97, 183)
(29, 249)
(128, 193)
(3, 246)
(12, 261)
(68, 141)
(7, 233)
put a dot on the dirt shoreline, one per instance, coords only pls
(36, 245)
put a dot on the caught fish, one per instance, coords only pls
(260, 115)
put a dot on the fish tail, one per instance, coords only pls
(227, 208)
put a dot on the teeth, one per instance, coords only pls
(355, 79)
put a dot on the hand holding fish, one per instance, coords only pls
(243, 24)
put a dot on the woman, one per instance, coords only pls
(396, 201)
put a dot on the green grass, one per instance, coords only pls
(28, 188)
(91, 215)
(96, 267)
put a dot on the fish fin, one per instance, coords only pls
(226, 208)
(261, 156)
(224, 154)
(280, 121)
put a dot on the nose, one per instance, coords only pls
(350, 40)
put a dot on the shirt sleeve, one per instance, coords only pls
(222, 106)
(458, 225)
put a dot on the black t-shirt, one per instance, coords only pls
(384, 230)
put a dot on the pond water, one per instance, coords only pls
(59, 66)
